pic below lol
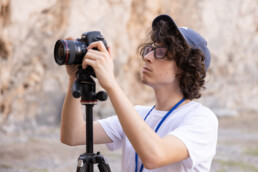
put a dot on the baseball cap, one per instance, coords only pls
(194, 39)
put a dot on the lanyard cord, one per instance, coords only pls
(157, 128)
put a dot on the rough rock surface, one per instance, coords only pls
(32, 86)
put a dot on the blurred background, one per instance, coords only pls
(33, 86)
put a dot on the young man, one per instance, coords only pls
(177, 134)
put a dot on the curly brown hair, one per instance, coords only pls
(190, 61)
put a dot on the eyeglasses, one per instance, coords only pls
(159, 52)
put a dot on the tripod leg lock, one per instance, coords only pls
(80, 163)
(87, 159)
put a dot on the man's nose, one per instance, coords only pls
(149, 57)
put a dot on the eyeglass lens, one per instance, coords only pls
(159, 52)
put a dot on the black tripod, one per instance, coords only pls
(85, 87)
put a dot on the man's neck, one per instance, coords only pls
(166, 98)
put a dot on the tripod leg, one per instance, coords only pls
(84, 167)
(89, 168)
(102, 165)
(84, 163)
(80, 166)
(80, 169)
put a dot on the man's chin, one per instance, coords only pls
(144, 81)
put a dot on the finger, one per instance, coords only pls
(97, 52)
(88, 62)
(93, 56)
(110, 51)
(70, 38)
(99, 45)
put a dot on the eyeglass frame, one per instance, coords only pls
(154, 49)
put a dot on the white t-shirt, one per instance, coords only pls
(195, 125)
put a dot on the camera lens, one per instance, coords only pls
(69, 52)
(60, 52)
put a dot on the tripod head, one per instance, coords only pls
(85, 87)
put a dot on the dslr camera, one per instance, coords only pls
(69, 52)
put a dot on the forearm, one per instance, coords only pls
(144, 140)
(72, 122)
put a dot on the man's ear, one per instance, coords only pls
(179, 72)
(178, 76)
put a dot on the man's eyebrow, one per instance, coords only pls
(157, 45)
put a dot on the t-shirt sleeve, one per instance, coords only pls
(114, 130)
(198, 132)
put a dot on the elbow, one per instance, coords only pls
(153, 162)
(67, 141)
(149, 165)
(66, 138)
(159, 160)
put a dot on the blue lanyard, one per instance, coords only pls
(157, 128)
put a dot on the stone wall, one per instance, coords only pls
(32, 86)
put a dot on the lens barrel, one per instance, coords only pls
(69, 52)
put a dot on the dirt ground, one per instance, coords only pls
(40, 150)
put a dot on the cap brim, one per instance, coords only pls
(173, 27)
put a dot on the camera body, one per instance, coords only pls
(69, 52)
